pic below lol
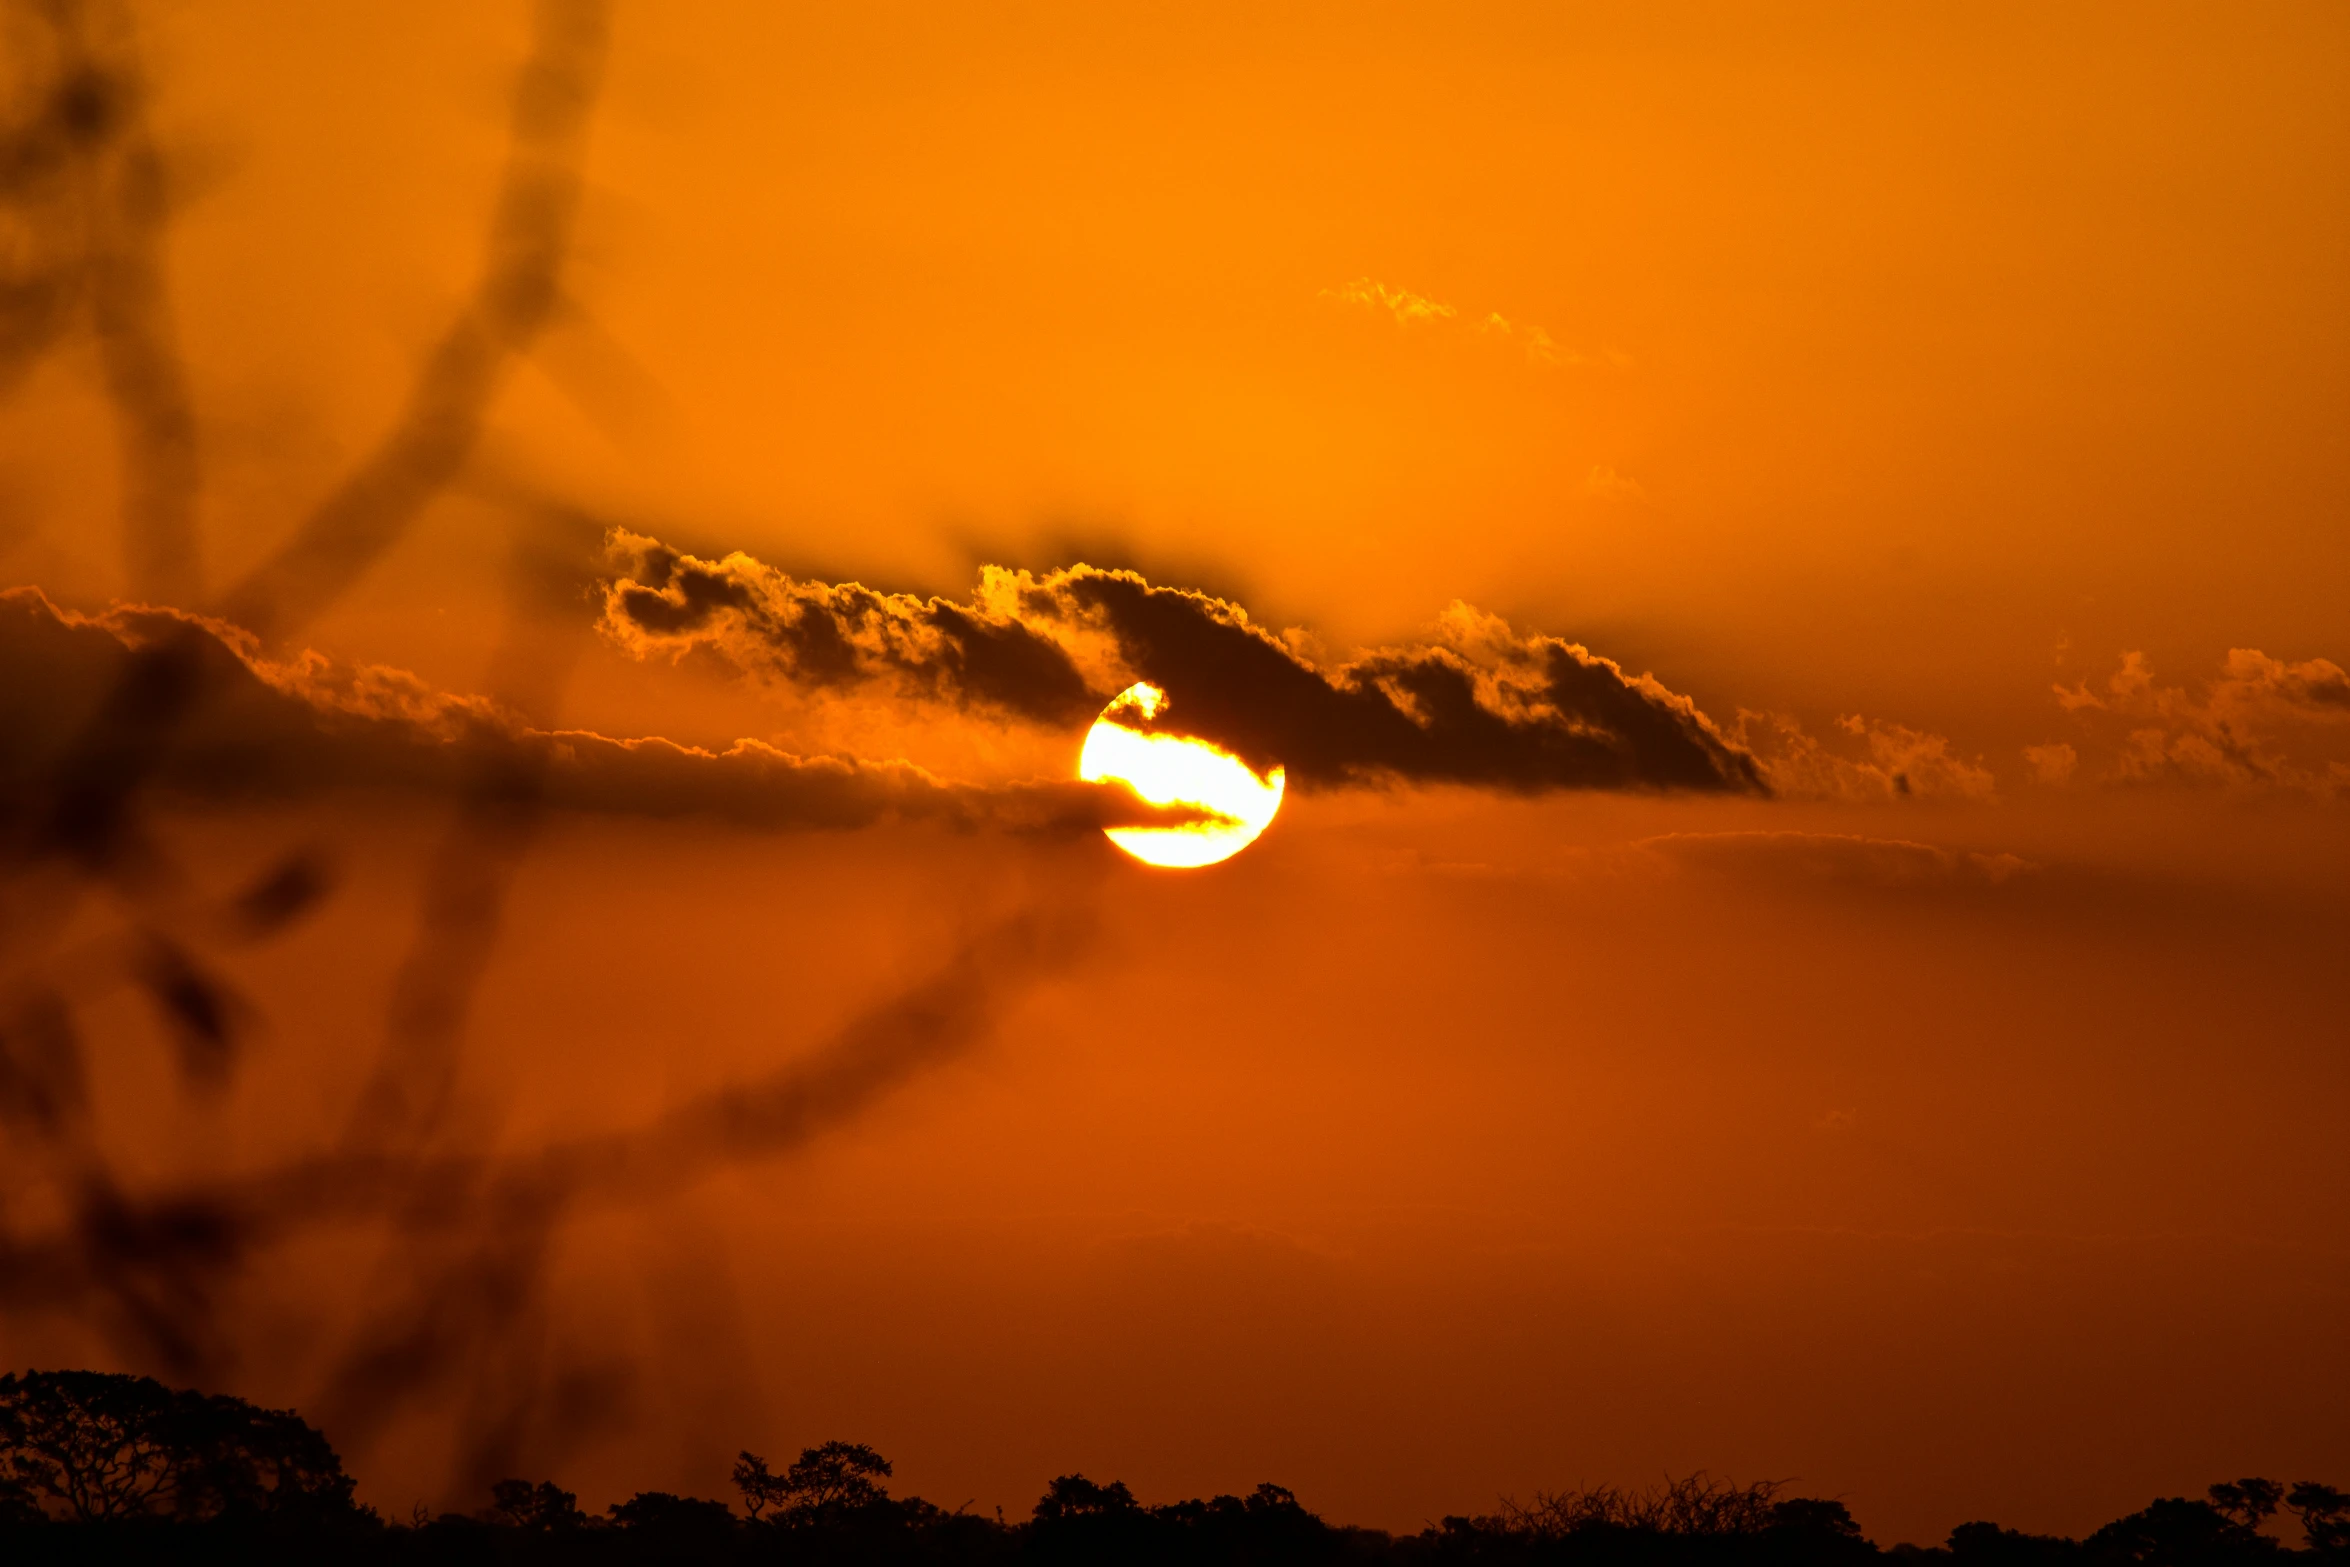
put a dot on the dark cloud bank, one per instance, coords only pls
(1480, 705)
(264, 730)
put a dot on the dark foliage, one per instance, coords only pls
(2248, 1502)
(96, 1467)
(2325, 1517)
(674, 1517)
(543, 1507)
(2174, 1532)
(90, 1446)
(1080, 1521)
(1988, 1545)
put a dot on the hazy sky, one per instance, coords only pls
(1888, 1032)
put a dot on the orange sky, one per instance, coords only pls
(1965, 1145)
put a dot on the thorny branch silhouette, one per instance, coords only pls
(83, 183)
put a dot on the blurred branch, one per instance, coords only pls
(81, 178)
(518, 293)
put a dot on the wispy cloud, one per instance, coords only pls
(1409, 309)
(1893, 761)
(1837, 858)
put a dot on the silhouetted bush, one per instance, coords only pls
(1079, 1521)
(543, 1507)
(1699, 1505)
(658, 1512)
(2175, 1532)
(1988, 1545)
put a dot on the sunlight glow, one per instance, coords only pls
(1177, 770)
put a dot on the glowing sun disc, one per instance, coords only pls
(1166, 769)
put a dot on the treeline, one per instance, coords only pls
(96, 1467)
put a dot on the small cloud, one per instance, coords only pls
(2133, 680)
(1408, 308)
(2052, 764)
(1605, 481)
(1418, 310)
(2077, 696)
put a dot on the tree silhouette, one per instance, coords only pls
(100, 1446)
(97, 1445)
(1813, 1516)
(2249, 1502)
(1077, 1520)
(760, 1489)
(825, 1484)
(1074, 1496)
(2325, 1517)
(198, 1477)
(2175, 1532)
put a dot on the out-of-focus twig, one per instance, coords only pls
(519, 291)
(81, 176)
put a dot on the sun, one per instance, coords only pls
(1170, 769)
